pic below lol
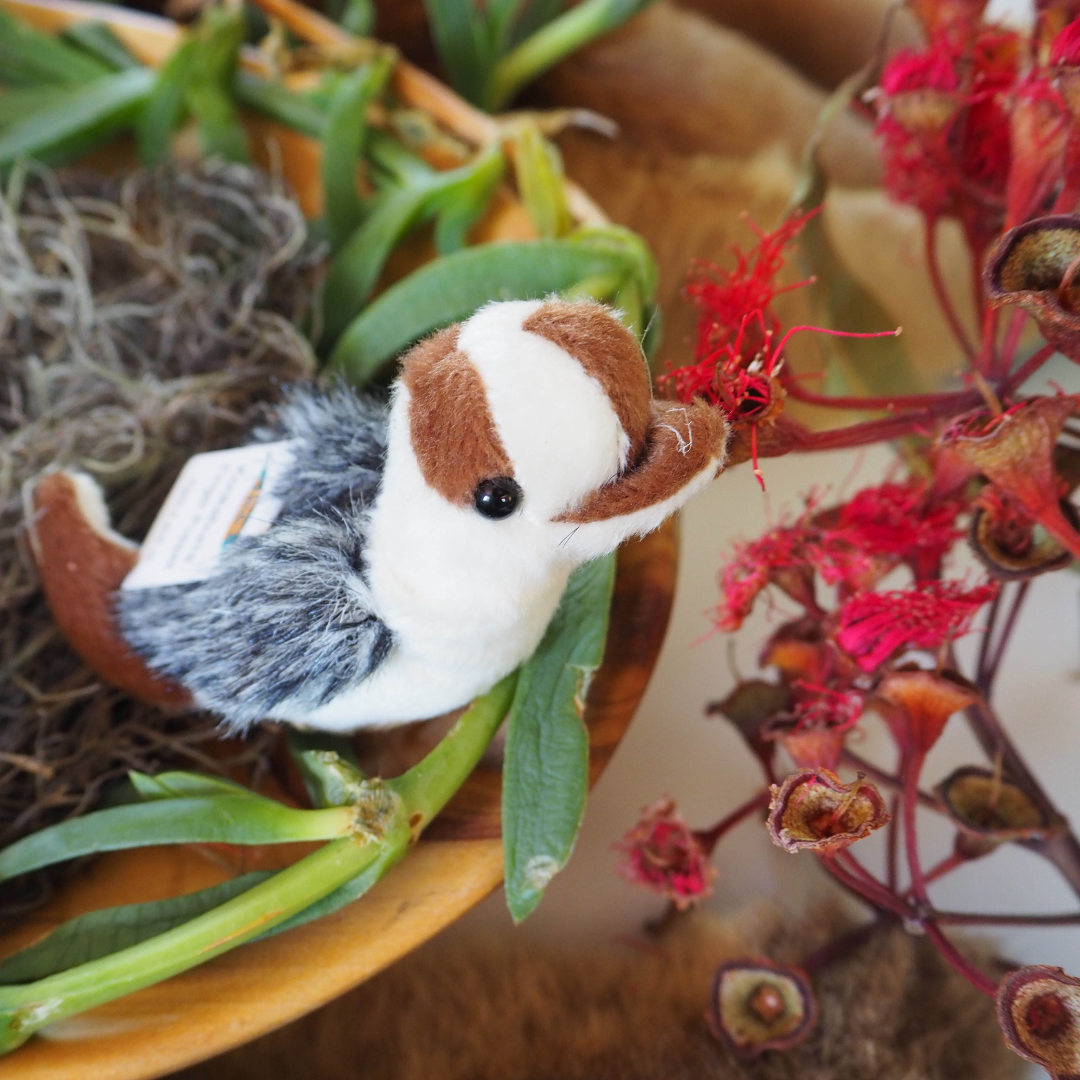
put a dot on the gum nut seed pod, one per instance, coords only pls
(1038, 1009)
(990, 806)
(757, 1005)
(814, 810)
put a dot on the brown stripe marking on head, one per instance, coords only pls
(681, 441)
(608, 352)
(453, 435)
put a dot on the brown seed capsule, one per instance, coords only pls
(989, 806)
(1035, 267)
(917, 703)
(1011, 545)
(757, 1005)
(1038, 1009)
(814, 810)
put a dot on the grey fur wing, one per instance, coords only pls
(288, 617)
(340, 452)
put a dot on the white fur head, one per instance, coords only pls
(548, 403)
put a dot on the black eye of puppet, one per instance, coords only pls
(498, 497)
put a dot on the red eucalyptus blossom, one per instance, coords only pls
(662, 854)
(875, 626)
(739, 338)
(945, 128)
(902, 522)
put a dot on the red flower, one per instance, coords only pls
(945, 128)
(1065, 49)
(920, 100)
(818, 706)
(738, 349)
(787, 557)
(663, 854)
(873, 626)
(898, 521)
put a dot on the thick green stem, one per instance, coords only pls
(422, 791)
(25, 1009)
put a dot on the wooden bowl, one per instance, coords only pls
(257, 987)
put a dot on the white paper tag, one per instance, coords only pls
(217, 497)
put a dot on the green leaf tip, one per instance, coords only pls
(546, 767)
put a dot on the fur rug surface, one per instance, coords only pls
(511, 1008)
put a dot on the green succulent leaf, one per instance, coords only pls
(319, 883)
(346, 127)
(462, 39)
(538, 170)
(108, 930)
(181, 785)
(165, 106)
(81, 119)
(394, 213)
(328, 766)
(546, 767)
(97, 40)
(302, 112)
(29, 57)
(553, 42)
(208, 92)
(453, 287)
(225, 819)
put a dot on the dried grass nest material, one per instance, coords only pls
(143, 318)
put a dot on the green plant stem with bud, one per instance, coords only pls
(402, 807)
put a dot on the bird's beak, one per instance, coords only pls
(684, 444)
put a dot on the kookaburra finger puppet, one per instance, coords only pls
(414, 551)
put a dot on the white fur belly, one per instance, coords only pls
(440, 669)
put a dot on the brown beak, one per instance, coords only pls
(680, 442)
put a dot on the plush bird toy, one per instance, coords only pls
(417, 550)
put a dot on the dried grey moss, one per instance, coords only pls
(143, 318)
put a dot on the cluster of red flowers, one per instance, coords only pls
(981, 124)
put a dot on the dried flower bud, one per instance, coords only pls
(750, 706)
(1015, 451)
(1039, 130)
(662, 854)
(1038, 1009)
(798, 649)
(757, 1005)
(1009, 543)
(1035, 266)
(985, 805)
(814, 810)
(810, 747)
(917, 703)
